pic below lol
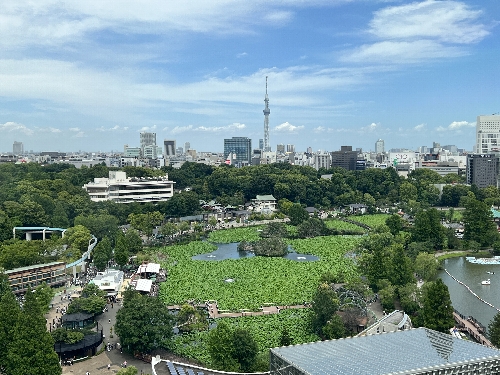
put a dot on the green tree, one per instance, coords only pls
(297, 214)
(31, 350)
(395, 224)
(312, 227)
(134, 241)
(77, 238)
(100, 225)
(102, 253)
(274, 229)
(43, 295)
(244, 349)
(220, 347)
(427, 227)
(121, 250)
(129, 370)
(143, 324)
(437, 307)
(9, 315)
(285, 338)
(325, 304)
(401, 271)
(334, 328)
(494, 330)
(426, 266)
(478, 223)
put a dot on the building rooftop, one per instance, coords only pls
(35, 266)
(402, 352)
(265, 198)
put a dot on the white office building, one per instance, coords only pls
(487, 134)
(127, 190)
(379, 146)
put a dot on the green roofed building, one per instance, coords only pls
(418, 351)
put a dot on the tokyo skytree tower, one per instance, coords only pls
(266, 111)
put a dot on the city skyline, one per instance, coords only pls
(92, 75)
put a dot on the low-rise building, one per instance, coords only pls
(264, 204)
(109, 281)
(23, 278)
(121, 189)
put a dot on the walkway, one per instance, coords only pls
(472, 328)
(214, 312)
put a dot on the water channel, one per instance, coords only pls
(472, 275)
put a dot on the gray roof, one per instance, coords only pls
(384, 353)
(35, 266)
(265, 198)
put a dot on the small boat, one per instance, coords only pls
(490, 273)
(486, 282)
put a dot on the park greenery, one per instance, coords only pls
(385, 254)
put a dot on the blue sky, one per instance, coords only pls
(91, 75)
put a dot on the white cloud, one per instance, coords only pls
(74, 129)
(401, 52)
(370, 128)
(181, 129)
(286, 127)
(54, 130)
(240, 55)
(419, 127)
(457, 126)
(148, 128)
(445, 21)
(15, 127)
(420, 31)
(79, 135)
(208, 129)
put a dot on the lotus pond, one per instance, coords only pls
(256, 280)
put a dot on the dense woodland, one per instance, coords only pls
(52, 195)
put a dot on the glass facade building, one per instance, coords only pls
(241, 147)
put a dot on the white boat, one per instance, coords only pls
(486, 282)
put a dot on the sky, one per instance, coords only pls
(91, 75)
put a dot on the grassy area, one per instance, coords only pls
(342, 225)
(456, 254)
(370, 220)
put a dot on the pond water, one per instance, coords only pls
(230, 251)
(472, 275)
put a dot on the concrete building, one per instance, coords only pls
(345, 158)
(241, 147)
(109, 281)
(147, 139)
(487, 134)
(169, 148)
(121, 189)
(20, 279)
(322, 161)
(280, 149)
(18, 148)
(482, 170)
(290, 148)
(419, 351)
(132, 152)
(379, 146)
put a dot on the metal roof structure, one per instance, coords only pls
(149, 268)
(415, 351)
(143, 285)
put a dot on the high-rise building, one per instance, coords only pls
(267, 111)
(482, 170)
(290, 148)
(241, 147)
(309, 150)
(147, 139)
(280, 149)
(345, 158)
(261, 144)
(487, 134)
(322, 161)
(379, 146)
(168, 147)
(187, 146)
(18, 148)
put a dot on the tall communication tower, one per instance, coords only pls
(266, 111)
